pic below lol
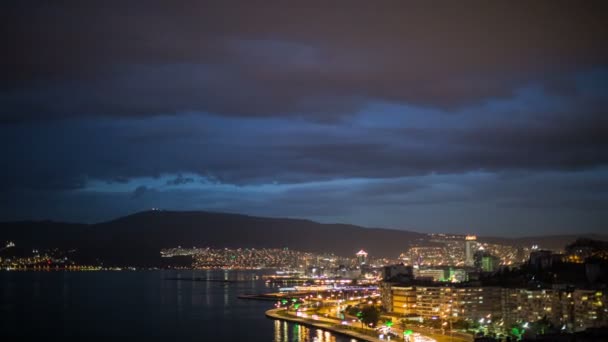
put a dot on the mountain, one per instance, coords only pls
(137, 239)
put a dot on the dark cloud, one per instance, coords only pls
(180, 180)
(385, 189)
(483, 203)
(140, 191)
(317, 60)
(66, 155)
(549, 142)
(396, 115)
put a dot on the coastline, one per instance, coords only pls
(274, 314)
(338, 329)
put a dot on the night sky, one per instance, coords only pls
(473, 117)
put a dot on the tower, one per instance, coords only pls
(362, 257)
(470, 245)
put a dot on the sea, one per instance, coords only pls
(143, 306)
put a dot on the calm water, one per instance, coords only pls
(143, 306)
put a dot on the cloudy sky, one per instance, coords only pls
(481, 117)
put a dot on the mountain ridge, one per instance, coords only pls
(137, 238)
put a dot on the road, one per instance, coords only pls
(334, 325)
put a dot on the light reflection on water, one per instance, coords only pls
(143, 305)
(301, 333)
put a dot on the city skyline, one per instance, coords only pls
(326, 171)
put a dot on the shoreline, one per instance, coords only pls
(276, 314)
(273, 313)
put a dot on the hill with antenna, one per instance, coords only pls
(137, 239)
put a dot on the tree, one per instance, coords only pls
(542, 326)
(370, 315)
(352, 310)
(516, 331)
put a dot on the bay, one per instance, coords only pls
(143, 305)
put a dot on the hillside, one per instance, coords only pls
(551, 242)
(137, 239)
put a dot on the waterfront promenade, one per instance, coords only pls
(354, 331)
(320, 323)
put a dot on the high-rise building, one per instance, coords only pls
(484, 261)
(470, 247)
(433, 273)
(362, 257)
(567, 308)
(439, 301)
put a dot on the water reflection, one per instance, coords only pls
(179, 305)
(64, 292)
(146, 305)
(207, 288)
(300, 333)
(277, 331)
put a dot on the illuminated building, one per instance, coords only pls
(458, 275)
(583, 249)
(441, 302)
(399, 299)
(569, 309)
(572, 309)
(434, 274)
(475, 303)
(429, 256)
(484, 261)
(527, 305)
(248, 258)
(362, 257)
(470, 246)
(441, 274)
(449, 250)
(489, 263)
(431, 301)
(589, 309)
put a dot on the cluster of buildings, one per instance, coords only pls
(460, 251)
(570, 296)
(452, 258)
(35, 260)
(302, 264)
(240, 258)
(570, 309)
(456, 280)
